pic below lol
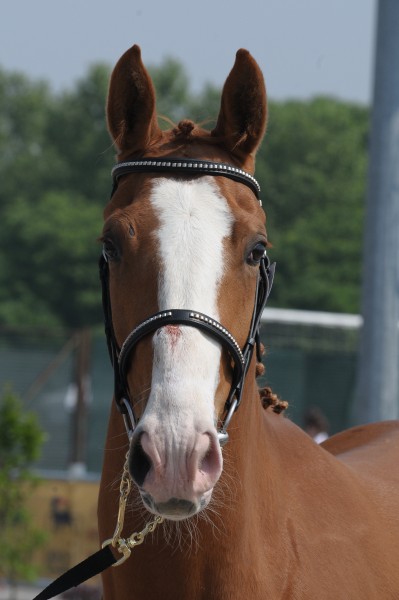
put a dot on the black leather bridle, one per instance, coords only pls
(104, 558)
(241, 358)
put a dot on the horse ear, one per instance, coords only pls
(242, 118)
(131, 114)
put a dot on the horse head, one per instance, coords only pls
(182, 251)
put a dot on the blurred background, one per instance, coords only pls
(319, 59)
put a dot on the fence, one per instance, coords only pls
(311, 361)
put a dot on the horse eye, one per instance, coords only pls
(256, 254)
(110, 251)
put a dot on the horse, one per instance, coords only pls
(251, 506)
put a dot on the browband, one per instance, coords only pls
(186, 165)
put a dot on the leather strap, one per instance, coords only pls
(188, 318)
(185, 165)
(93, 565)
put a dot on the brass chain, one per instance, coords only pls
(125, 546)
(124, 491)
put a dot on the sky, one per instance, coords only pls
(304, 47)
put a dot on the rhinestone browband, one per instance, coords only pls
(204, 167)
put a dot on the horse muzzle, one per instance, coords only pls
(175, 509)
(175, 480)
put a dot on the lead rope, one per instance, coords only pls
(125, 545)
(104, 558)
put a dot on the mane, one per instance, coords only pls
(187, 131)
(268, 398)
(184, 129)
(271, 400)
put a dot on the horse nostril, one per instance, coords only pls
(139, 463)
(211, 462)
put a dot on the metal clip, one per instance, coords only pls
(122, 548)
(129, 419)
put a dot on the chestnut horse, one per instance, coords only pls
(272, 515)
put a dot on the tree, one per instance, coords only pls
(312, 169)
(53, 269)
(20, 442)
(78, 144)
(55, 162)
(24, 109)
(204, 106)
(172, 86)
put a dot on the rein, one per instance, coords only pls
(104, 558)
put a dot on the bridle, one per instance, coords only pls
(241, 358)
(104, 558)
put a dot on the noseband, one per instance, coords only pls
(241, 358)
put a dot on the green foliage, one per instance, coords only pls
(171, 83)
(204, 107)
(23, 121)
(20, 442)
(55, 259)
(55, 161)
(78, 142)
(174, 100)
(312, 168)
(56, 173)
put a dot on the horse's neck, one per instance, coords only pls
(244, 525)
(280, 512)
(252, 463)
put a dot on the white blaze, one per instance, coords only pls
(194, 220)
